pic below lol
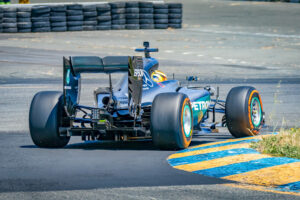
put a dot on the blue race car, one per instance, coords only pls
(143, 105)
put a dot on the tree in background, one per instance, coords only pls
(24, 1)
(4, 1)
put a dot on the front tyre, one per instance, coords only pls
(45, 118)
(171, 121)
(244, 111)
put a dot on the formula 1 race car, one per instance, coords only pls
(143, 105)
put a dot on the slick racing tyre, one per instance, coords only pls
(146, 10)
(171, 121)
(24, 30)
(146, 26)
(23, 25)
(45, 118)
(59, 8)
(174, 5)
(132, 21)
(9, 20)
(146, 21)
(174, 25)
(103, 27)
(23, 14)
(74, 7)
(59, 29)
(132, 26)
(75, 28)
(41, 29)
(160, 26)
(24, 9)
(244, 111)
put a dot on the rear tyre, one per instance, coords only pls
(171, 121)
(244, 111)
(45, 117)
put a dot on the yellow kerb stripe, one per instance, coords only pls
(231, 140)
(271, 176)
(210, 150)
(220, 162)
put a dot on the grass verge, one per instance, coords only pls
(284, 144)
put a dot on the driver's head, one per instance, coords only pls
(159, 76)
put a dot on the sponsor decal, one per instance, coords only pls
(68, 77)
(161, 85)
(138, 73)
(68, 88)
(147, 82)
(200, 105)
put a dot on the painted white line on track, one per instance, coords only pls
(249, 34)
(218, 58)
(187, 53)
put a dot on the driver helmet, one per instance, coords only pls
(158, 76)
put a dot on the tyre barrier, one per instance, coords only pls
(61, 17)
(24, 24)
(75, 17)
(89, 17)
(132, 15)
(58, 18)
(118, 13)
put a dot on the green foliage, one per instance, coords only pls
(284, 144)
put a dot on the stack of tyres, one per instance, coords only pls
(24, 19)
(146, 15)
(175, 15)
(40, 18)
(75, 17)
(1, 19)
(9, 20)
(104, 16)
(161, 17)
(118, 13)
(90, 17)
(132, 15)
(58, 18)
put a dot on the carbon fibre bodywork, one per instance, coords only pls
(124, 110)
(200, 98)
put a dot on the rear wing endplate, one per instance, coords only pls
(76, 65)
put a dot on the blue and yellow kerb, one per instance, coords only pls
(234, 160)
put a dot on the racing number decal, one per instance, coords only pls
(138, 73)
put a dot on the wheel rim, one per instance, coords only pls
(255, 111)
(187, 120)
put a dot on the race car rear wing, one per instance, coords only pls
(76, 65)
(95, 64)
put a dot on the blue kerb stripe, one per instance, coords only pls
(290, 186)
(209, 156)
(219, 145)
(243, 167)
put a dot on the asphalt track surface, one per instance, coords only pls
(226, 43)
